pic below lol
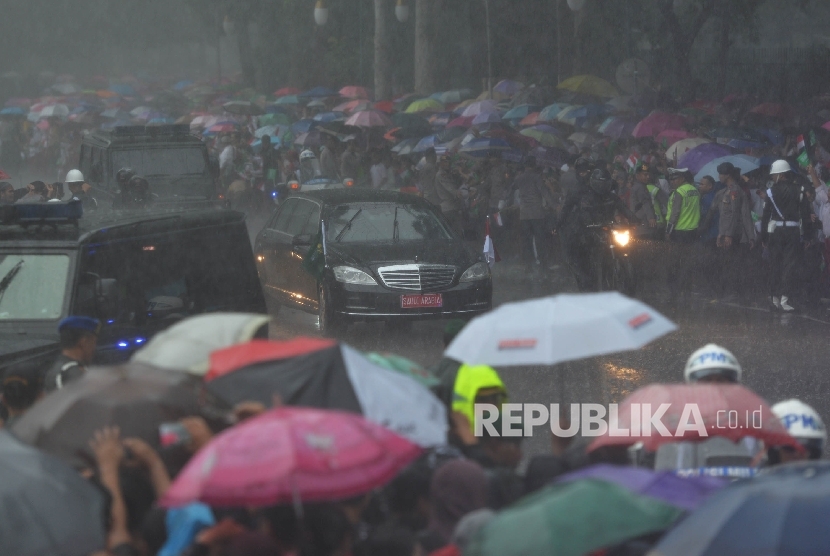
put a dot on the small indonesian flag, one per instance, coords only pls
(801, 145)
(632, 161)
(499, 221)
(489, 248)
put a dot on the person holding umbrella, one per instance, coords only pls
(786, 218)
(78, 341)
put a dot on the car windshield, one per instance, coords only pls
(384, 222)
(32, 287)
(186, 161)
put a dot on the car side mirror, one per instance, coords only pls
(301, 240)
(98, 296)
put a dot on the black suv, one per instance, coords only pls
(175, 163)
(137, 272)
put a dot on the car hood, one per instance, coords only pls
(373, 255)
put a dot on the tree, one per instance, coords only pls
(424, 49)
(383, 81)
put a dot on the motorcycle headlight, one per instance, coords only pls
(350, 275)
(621, 238)
(479, 271)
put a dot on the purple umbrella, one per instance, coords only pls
(616, 128)
(686, 493)
(695, 159)
(486, 117)
(508, 87)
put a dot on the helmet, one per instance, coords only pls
(780, 167)
(601, 182)
(582, 164)
(139, 189)
(74, 176)
(124, 174)
(712, 360)
(800, 420)
(306, 154)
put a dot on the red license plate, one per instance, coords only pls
(420, 301)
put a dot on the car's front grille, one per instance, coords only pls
(417, 277)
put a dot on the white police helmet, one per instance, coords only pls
(711, 360)
(74, 176)
(780, 167)
(800, 420)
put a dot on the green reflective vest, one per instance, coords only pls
(469, 380)
(690, 210)
(658, 210)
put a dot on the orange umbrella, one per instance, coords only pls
(385, 106)
(530, 119)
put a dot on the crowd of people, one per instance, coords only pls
(437, 505)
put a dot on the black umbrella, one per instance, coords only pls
(136, 397)
(46, 507)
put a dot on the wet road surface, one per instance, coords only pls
(783, 356)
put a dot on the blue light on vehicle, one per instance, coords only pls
(110, 321)
(274, 194)
(123, 344)
(139, 340)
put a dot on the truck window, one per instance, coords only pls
(35, 286)
(96, 169)
(85, 160)
(167, 161)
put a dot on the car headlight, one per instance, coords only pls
(350, 275)
(479, 271)
(621, 238)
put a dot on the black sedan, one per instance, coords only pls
(350, 255)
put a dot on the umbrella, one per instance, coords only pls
(549, 113)
(440, 119)
(480, 148)
(352, 106)
(654, 123)
(123, 90)
(340, 377)
(740, 138)
(550, 330)
(425, 143)
(701, 155)
(454, 97)
(405, 146)
(550, 157)
(678, 149)
(187, 344)
(486, 118)
(544, 137)
(291, 455)
(589, 85)
(450, 133)
(303, 126)
(288, 99)
(778, 512)
(686, 493)
(115, 114)
(582, 139)
(243, 108)
(369, 118)
(316, 103)
(160, 121)
(677, 404)
(319, 92)
(55, 111)
(530, 119)
(521, 111)
(274, 119)
(507, 87)
(616, 127)
(425, 105)
(404, 366)
(385, 106)
(329, 117)
(773, 110)
(465, 122)
(309, 139)
(226, 127)
(136, 397)
(46, 507)
(480, 107)
(228, 359)
(669, 136)
(12, 111)
(572, 115)
(742, 161)
(286, 91)
(354, 91)
(572, 518)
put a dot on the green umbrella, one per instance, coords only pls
(572, 519)
(274, 119)
(404, 366)
(290, 99)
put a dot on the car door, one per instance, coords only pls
(306, 284)
(293, 255)
(272, 249)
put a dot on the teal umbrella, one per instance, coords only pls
(404, 366)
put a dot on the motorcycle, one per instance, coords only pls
(611, 266)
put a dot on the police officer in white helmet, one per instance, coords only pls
(805, 425)
(713, 364)
(79, 188)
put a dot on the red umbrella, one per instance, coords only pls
(369, 118)
(728, 410)
(290, 455)
(285, 91)
(461, 121)
(672, 136)
(654, 123)
(224, 361)
(354, 91)
(530, 119)
(385, 106)
(4, 175)
(222, 128)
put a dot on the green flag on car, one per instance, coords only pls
(314, 261)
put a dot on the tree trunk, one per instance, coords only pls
(246, 56)
(424, 70)
(382, 50)
(723, 55)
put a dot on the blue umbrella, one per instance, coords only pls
(302, 126)
(123, 90)
(319, 92)
(12, 111)
(549, 113)
(275, 143)
(781, 511)
(329, 117)
(521, 111)
(405, 146)
(481, 147)
(487, 118)
(440, 119)
(744, 162)
(425, 143)
(695, 159)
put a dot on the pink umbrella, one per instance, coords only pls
(369, 118)
(285, 91)
(466, 121)
(826, 126)
(530, 119)
(352, 105)
(654, 123)
(671, 136)
(226, 127)
(481, 107)
(289, 455)
(353, 91)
